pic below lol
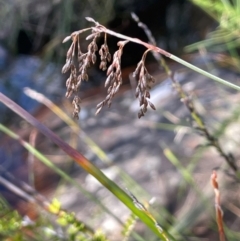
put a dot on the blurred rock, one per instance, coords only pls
(28, 71)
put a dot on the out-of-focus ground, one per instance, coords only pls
(137, 147)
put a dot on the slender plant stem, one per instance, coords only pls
(188, 102)
(101, 28)
(205, 73)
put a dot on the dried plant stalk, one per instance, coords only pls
(219, 212)
(201, 127)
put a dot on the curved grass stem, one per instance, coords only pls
(87, 166)
(101, 28)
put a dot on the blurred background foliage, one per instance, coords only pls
(38, 27)
(227, 14)
(31, 26)
(225, 37)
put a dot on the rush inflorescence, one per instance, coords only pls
(78, 63)
(144, 80)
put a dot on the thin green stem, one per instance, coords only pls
(205, 73)
(101, 28)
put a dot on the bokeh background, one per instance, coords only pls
(161, 158)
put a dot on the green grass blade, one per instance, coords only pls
(86, 165)
(205, 73)
(52, 166)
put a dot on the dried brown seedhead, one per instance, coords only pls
(144, 83)
(114, 77)
(104, 55)
(78, 63)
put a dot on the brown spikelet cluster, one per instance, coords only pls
(145, 81)
(104, 55)
(78, 63)
(114, 77)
